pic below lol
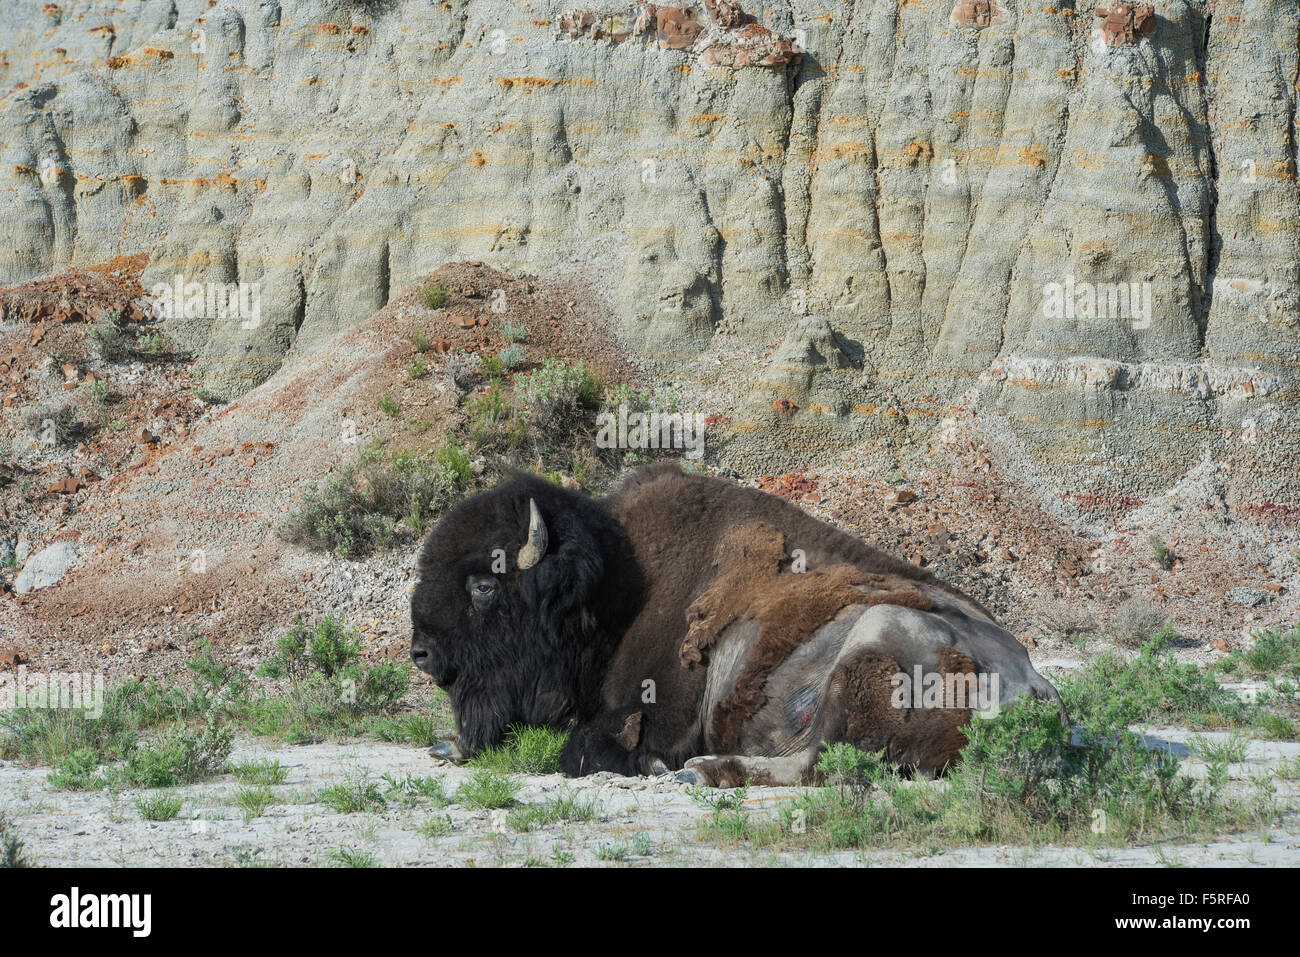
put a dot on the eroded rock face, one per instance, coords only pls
(975, 13)
(1126, 22)
(930, 190)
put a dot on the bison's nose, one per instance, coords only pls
(421, 657)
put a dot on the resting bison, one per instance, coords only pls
(686, 622)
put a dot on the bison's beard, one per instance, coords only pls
(552, 684)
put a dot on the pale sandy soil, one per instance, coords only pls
(64, 829)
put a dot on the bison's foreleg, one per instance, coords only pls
(610, 742)
(448, 751)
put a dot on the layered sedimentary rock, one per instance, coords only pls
(1083, 219)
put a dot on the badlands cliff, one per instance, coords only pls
(889, 213)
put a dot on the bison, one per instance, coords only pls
(688, 623)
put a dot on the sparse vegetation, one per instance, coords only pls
(525, 750)
(417, 368)
(12, 852)
(51, 424)
(1135, 621)
(420, 340)
(510, 357)
(254, 801)
(488, 790)
(1162, 554)
(568, 807)
(109, 340)
(158, 807)
(357, 793)
(435, 295)
(261, 772)
(388, 405)
(351, 857)
(514, 331)
(358, 510)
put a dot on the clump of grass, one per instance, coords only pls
(180, 755)
(420, 339)
(388, 405)
(203, 394)
(616, 853)
(488, 790)
(12, 852)
(435, 295)
(158, 807)
(410, 788)
(150, 344)
(79, 771)
(1231, 750)
(525, 750)
(351, 857)
(51, 424)
(417, 368)
(254, 801)
(514, 331)
(435, 827)
(357, 793)
(1162, 554)
(568, 807)
(1135, 621)
(260, 772)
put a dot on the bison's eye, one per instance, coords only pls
(482, 590)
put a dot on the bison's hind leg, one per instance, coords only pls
(737, 770)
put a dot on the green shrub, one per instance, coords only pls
(179, 756)
(12, 853)
(434, 296)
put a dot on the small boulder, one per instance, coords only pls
(46, 567)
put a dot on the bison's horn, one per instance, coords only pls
(535, 548)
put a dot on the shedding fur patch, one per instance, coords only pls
(927, 738)
(752, 584)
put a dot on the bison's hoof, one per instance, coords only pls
(447, 751)
(658, 767)
(691, 776)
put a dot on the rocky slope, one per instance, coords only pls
(882, 209)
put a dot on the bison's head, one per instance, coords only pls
(513, 611)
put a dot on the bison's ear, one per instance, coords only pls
(566, 560)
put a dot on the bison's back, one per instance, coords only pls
(677, 525)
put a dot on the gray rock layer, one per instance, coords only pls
(1097, 243)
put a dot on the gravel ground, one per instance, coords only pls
(103, 829)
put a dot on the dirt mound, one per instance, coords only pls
(176, 535)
